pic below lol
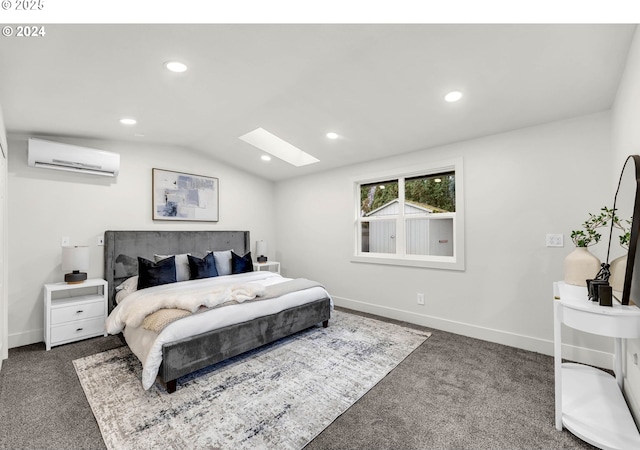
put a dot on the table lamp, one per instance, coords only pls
(261, 250)
(75, 259)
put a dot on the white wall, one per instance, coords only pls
(519, 186)
(626, 141)
(45, 205)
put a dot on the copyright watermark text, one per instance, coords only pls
(23, 31)
(22, 5)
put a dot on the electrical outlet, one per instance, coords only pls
(555, 240)
(420, 299)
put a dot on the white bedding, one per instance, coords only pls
(147, 345)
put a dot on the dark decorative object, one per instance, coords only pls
(75, 277)
(627, 199)
(604, 272)
(605, 295)
(593, 288)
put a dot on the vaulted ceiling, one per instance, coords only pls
(379, 87)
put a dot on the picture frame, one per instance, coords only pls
(179, 196)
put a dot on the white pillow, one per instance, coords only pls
(223, 262)
(127, 287)
(182, 265)
(130, 284)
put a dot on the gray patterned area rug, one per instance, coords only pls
(280, 396)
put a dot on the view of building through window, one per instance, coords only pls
(412, 216)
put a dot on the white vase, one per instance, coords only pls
(580, 265)
(618, 268)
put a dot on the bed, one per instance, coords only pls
(233, 330)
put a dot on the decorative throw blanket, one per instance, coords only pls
(138, 305)
(178, 303)
(158, 320)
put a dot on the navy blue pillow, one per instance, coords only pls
(241, 264)
(202, 267)
(154, 274)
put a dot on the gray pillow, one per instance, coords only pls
(223, 262)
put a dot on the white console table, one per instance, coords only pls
(589, 401)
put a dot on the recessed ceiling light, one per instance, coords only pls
(277, 147)
(175, 66)
(265, 158)
(453, 96)
(128, 121)
(438, 180)
(332, 135)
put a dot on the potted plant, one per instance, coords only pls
(581, 264)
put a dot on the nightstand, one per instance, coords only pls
(72, 318)
(271, 266)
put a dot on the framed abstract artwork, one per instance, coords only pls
(184, 196)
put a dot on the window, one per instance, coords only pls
(411, 217)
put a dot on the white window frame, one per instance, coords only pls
(401, 258)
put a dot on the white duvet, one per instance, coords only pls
(147, 345)
(188, 296)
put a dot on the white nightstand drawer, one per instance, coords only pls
(77, 330)
(77, 312)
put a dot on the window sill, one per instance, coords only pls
(443, 262)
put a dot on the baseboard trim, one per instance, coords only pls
(579, 354)
(26, 338)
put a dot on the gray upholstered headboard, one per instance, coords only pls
(122, 248)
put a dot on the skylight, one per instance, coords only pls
(277, 147)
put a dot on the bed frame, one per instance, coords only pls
(190, 354)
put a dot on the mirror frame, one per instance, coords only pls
(635, 235)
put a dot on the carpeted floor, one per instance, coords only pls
(452, 392)
(278, 396)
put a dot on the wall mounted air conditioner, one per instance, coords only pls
(55, 155)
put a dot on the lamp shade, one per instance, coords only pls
(75, 259)
(261, 250)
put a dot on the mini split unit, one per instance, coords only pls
(72, 158)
